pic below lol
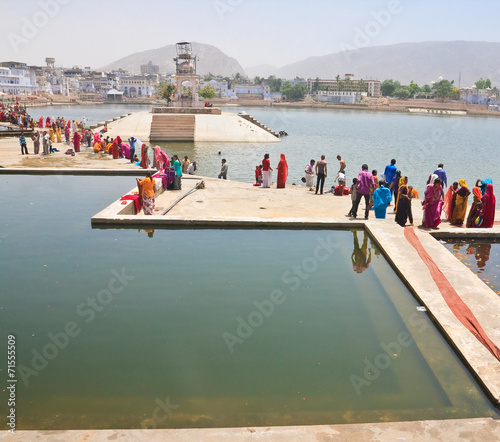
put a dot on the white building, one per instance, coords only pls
(138, 85)
(17, 79)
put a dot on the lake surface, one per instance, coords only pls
(481, 256)
(208, 328)
(468, 146)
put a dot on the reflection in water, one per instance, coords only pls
(361, 257)
(481, 256)
(150, 232)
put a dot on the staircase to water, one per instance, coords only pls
(172, 127)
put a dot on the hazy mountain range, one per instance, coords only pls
(209, 59)
(462, 61)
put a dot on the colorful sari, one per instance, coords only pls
(146, 189)
(489, 203)
(282, 172)
(403, 211)
(401, 185)
(476, 208)
(449, 202)
(381, 199)
(433, 205)
(460, 208)
(58, 134)
(76, 141)
(144, 156)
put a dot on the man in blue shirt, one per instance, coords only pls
(390, 172)
(22, 142)
(132, 141)
(441, 174)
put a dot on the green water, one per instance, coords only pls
(481, 256)
(164, 337)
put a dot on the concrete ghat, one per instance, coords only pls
(245, 206)
(472, 430)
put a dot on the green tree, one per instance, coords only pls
(293, 93)
(413, 89)
(483, 84)
(165, 90)
(443, 89)
(426, 89)
(340, 83)
(258, 80)
(315, 87)
(275, 83)
(208, 77)
(388, 87)
(237, 77)
(208, 92)
(401, 92)
(362, 86)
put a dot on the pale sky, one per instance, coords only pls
(277, 32)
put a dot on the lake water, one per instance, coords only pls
(481, 256)
(212, 328)
(468, 146)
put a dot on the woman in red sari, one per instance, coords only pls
(115, 149)
(282, 172)
(476, 210)
(489, 203)
(433, 204)
(76, 141)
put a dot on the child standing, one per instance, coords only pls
(354, 194)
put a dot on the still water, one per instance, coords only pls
(468, 146)
(212, 328)
(481, 256)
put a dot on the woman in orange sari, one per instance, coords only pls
(144, 156)
(476, 209)
(460, 208)
(147, 193)
(282, 172)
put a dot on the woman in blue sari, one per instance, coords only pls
(381, 199)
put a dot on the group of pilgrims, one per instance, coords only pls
(379, 193)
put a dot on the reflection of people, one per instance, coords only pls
(147, 192)
(361, 257)
(482, 255)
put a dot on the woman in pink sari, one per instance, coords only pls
(433, 204)
(489, 203)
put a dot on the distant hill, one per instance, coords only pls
(420, 62)
(210, 59)
(261, 70)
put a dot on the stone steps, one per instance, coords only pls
(168, 127)
(258, 123)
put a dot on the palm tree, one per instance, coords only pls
(340, 83)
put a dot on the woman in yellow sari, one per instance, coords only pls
(58, 134)
(403, 182)
(460, 209)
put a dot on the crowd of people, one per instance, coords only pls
(392, 186)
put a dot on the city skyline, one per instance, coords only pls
(254, 32)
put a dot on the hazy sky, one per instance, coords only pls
(278, 32)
